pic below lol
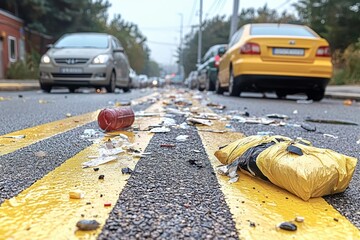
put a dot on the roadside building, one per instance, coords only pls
(16, 40)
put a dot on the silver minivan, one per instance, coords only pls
(85, 60)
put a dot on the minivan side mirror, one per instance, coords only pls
(221, 51)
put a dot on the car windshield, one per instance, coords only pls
(281, 30)
(83, 41)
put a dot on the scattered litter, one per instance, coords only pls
(281, 161)
(330, 136)
(299, 219)
(140, 155)
(348, 102)
(200, 121)
(107, 204)
(184, 125)
(330, 121)
(126, 170)
(111, 119)
(146, 114)
(288, 226)
(304, 101)
(177, 112)
(217, 106)
(4, 99)
(295, 111)
(160, 130)
(96, 169)
(122, 103)
(277, 116)
(15, 136)
(68, 115)
(168, 122)
(196, 151)
(308, 127)
(264, 133)
(182, 138)
(196, 163)
(98, 161)
(101, 177)
(92, 134)
(41, 101)
(40, 154)
(87, 225)
(358, 141)
(168, 145)
(76, 194)
(212, 130)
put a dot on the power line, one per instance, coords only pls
(192, 12)
(216, 2)
(283, 4)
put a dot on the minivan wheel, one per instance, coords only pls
(234, 89)
(72, 89)
(316, 94)
(111, 87)
(127, 89)
(218, 88)
(45, 87)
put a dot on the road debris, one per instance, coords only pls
(198, 121)
(98, 161)
(126, 170)
(68, 115)
(299, 219)
(304, 101)
(168, 145)
(76, 194)
(111, 119)
(283, 161)
(288, 226)
(308, 127)
(182, 138)
(107, 204)
(330, 136)
(277, 116)
(331, 121)
(15, 136)
(160, 130)
(215, 105)
(101, 177)
(40, 154)
(87, 225)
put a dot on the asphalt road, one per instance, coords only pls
(148, 207)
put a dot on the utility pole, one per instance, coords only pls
(181, 59)
(200, 34)
(234, 18)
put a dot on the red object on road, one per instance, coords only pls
(111, 119)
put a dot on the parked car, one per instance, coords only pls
(144, 81)
(85, 60)
(284, 58)
(135, 82)
(192, 80)
(208, 70)
(157, 82)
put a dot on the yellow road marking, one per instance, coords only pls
(255, 201)
(44, 210)
(9, 143)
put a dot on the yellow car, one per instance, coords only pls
(284, 58)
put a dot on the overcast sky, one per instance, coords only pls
(160, 20)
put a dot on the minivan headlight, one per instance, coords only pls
(101, 59)
(45, 59)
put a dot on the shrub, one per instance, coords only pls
(28, 69)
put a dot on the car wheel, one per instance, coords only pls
(218, 88)
(209, 85)
(127, 89)
(72, 89)
(111, 87)
(234, 89)
(316, 94)
(45, 87)
(281, 94)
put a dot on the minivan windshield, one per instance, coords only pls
(281, 30)
(83, 41)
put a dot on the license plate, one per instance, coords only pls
(289, 51)
(71, 70)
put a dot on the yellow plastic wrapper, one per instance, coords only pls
(229, 153)
(301, 169)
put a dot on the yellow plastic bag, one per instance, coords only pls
(303, 170)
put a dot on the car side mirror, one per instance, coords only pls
(221, 51)
(50, 46)
(120, 49)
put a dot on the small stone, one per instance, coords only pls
(299, 219)
(96, 169)
(336, 220)
(288, 226)
(87, 225)
(101, 177)
(252, 224)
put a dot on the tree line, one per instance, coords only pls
(337, 21)
(57, 17)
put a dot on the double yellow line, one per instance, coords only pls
(45, 211)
